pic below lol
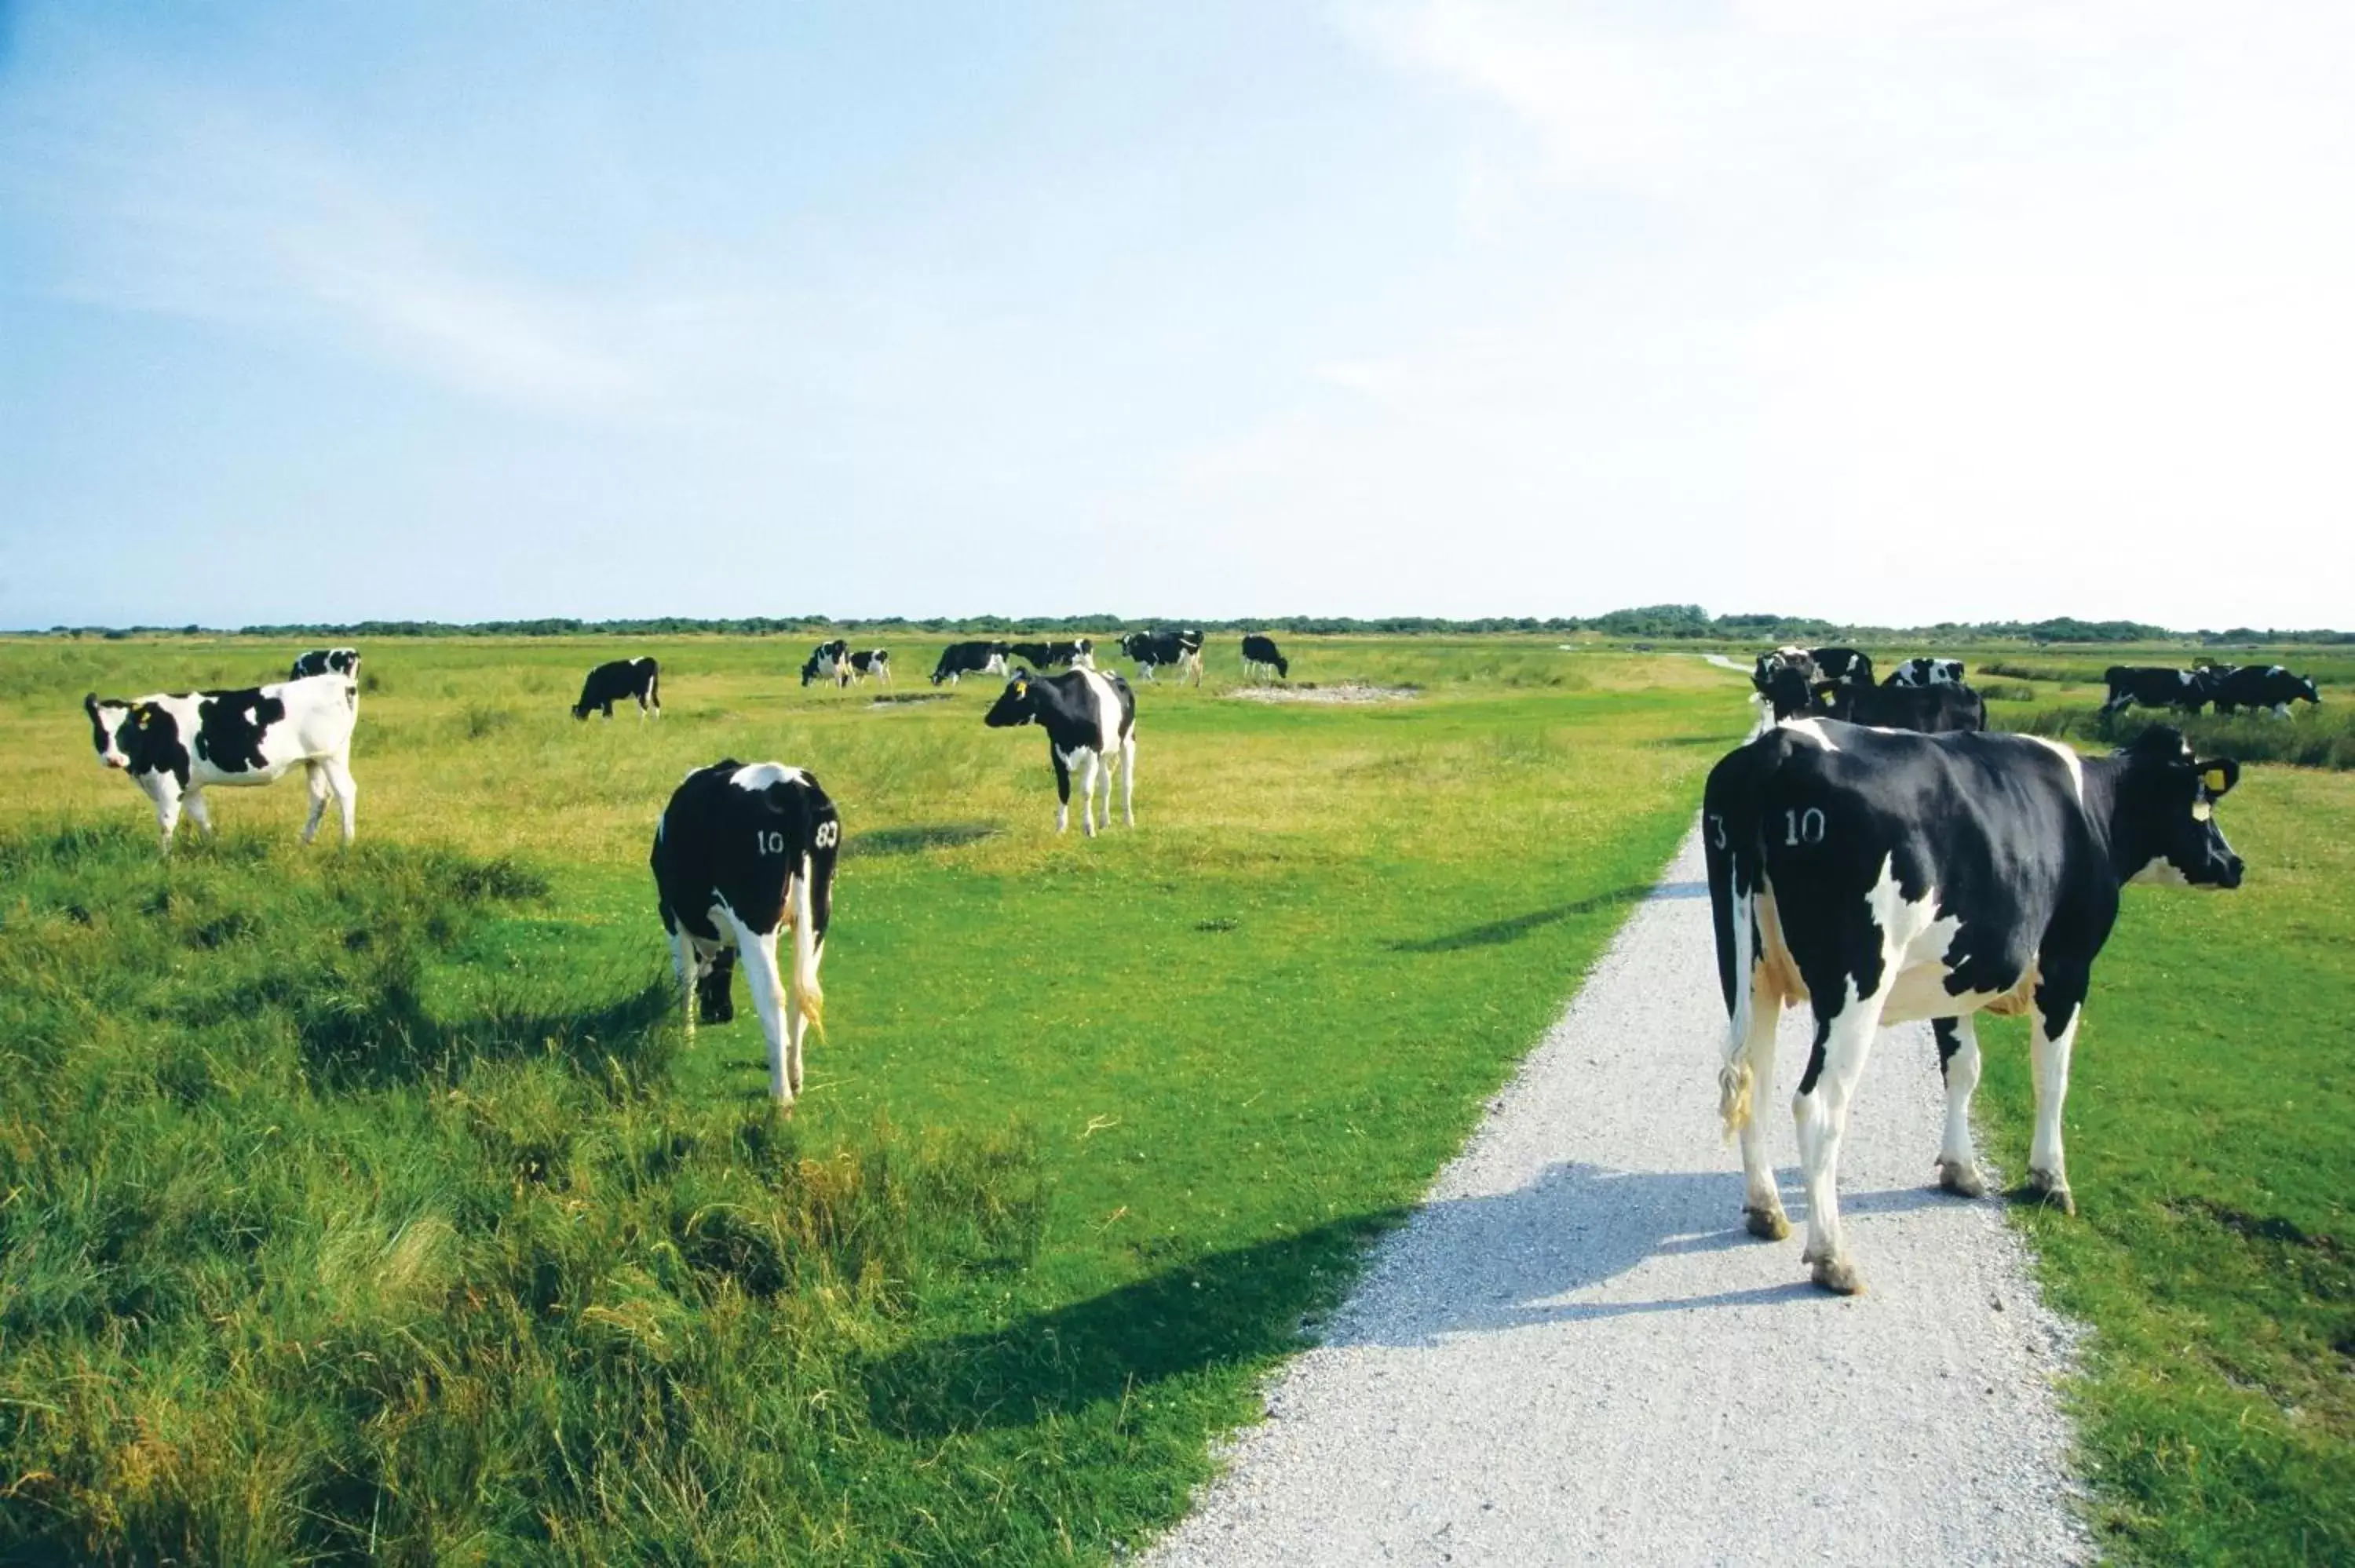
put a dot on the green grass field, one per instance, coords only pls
(370, 1205)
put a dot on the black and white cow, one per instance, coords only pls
(622, 680)
(327, 661)
(1078, 654)
(1928, 710)
(2269, 687)
(1813, 665)
(832, 652)
(969, 659)
(1884, 877)
(175, 746)
(1844, 665)
(875, 661)
(743, 854)
(1091, 720)
(1926, 672)
(1262, 653)
(2157, 686)
(1182, 649)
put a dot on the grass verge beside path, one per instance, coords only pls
(414, 1234)
(2214, 1248)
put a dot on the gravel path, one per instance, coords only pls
(1573, 1353)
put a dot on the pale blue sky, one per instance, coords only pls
(1873, 309)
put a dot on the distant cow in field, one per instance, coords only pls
(875, 661)
(743, 854)
(1090, 719)
(327, 661)
(1078, 654)
(622, 680)
(2268, 687)
(1262, 653)
(2157, 686)
(1929, 710)
(1926, 672)
(1149, 650)
(175, 746)
(969, 659)
(1885, 877)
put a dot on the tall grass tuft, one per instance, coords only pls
(295, 1267)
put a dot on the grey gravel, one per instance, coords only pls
(1573, 1353)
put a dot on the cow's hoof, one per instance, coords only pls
(1839, 1276)
(1963, 1180)
(2052, 1194)
(1766, 1224)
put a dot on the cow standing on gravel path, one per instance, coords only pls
(1883, 877)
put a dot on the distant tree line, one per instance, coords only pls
(1650, 623)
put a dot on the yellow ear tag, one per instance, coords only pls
(2201, 810)
(2215, 778)
(1021, 688)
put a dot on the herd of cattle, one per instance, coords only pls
(1873, 852)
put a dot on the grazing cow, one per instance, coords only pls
(638, 679)
(969, 659)
(1885, 877)
(1089, 719)
(327, 661)
(2270, 687)
(1929, 710)
(1079, 655)
(1926, 672)
(1149, 648)
(1262, 653)
(2156, 686)
(875, 661)
(175, 746)
(743, 853)
(1843, 665)
(818, 667)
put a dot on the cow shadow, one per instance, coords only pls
(918, 839)
(1465, 1265)
(1498, 933)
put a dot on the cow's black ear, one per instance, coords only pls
(89, 705)
(2220, 774)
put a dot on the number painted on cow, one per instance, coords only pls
(828, 834)
(1717, 829)
(768, 841)
(1803, 827)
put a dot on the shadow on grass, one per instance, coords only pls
(916, 839)
(1497, 933)
(371, 1035)
(1467, 1266)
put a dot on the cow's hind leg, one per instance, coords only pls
(1127, 784)
(1958, 1063)
(682, 959)
(2059, 1006)
(1820, 1109)
(346, 793)
(198, 813)
(315, 778)
(1062, 790)
(1761, 1199)
(768, 987)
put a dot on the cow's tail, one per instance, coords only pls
(653, 688)
(1736, 859)
(802, 990)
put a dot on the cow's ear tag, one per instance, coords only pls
(2201, 810)
(2214, 777)
(1021, 688)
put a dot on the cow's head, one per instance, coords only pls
(2167, 800)
(1136, 644)
(1015, 705)
(1788, 691)
(106, 722)
(2307, 689)
(811, 670)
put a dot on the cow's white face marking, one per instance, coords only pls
(2069, 757)
(1812, 728)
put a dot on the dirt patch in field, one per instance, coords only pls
(902, 699)
(1346, 691)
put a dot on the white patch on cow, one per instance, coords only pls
(1812, 728)
(755, 777)
(2069, 757)
(2160, 872)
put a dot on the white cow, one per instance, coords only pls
(175, 746)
